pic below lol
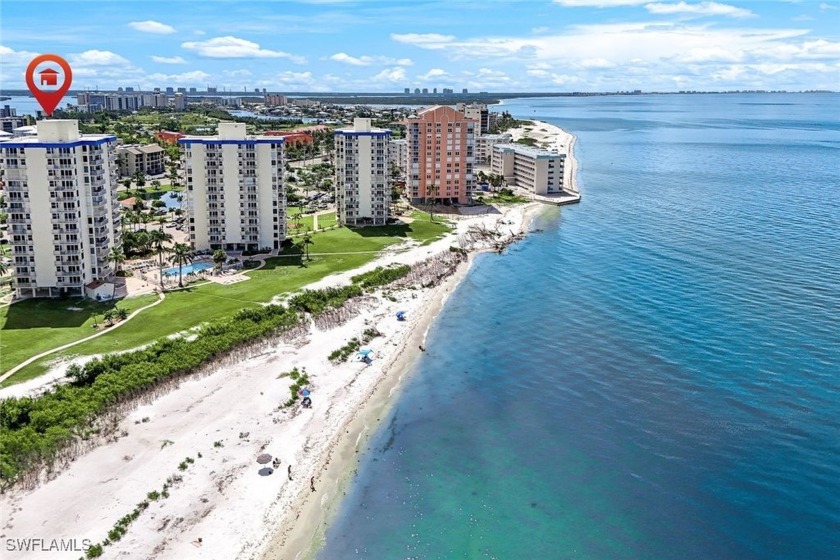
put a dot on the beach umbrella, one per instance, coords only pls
(304, 392)
(265, 471)
(400, 315)
(264, 459)
(365, 351)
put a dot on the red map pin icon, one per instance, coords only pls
(48, 77)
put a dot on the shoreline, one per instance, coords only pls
(301, 538)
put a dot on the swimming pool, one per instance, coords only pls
(194, 267)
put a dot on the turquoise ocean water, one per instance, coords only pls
(655, 374)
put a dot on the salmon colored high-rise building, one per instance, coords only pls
(441, 141)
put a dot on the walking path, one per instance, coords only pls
(22, 365)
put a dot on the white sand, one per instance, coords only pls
(221, 498)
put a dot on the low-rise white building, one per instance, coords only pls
(235, 197)
(361, 174)
(148, 159)
(537, 170)
(63, 213)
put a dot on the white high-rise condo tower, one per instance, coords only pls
(361, 174)
(63, 212)
(235, 197)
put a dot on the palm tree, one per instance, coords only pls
(431, 194)
(219, 258)
(158, 238)
(109, 316)
(181, 255)
(307, 241)
(117, 257)
(4, 268)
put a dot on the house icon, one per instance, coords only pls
(49, 77)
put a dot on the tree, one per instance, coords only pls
(307, 241)
(109, 316)
(181, 255)
(121, 312)
(431, 194)
(139, 178)
(219, 258)
(4, 268)
(117, 257)
(158, 238)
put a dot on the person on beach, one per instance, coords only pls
(312, 483)
(422, 349)
(290, 472)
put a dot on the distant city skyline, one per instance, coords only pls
(504, 45)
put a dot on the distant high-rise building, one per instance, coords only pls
(274, 100)
(63, 213)
(407, 91)
(425, 90)
(7, 111)
(235, 197)
(156, 90)
(129, 88)
(170, 90)
(440, 155)
(477, 112)
(361, 174)
(447, 91)
(193, 90)
(417, 91)
(434, 91)
(211, 89)
(398, 154)
(465, 91)
(182, 90)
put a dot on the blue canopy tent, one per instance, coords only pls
(400, 315)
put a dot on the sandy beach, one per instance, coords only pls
(205, 435)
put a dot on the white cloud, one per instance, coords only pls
(600, 63)
(97, 58)
(168, 59)
(17, 58)
(826, 7)
(426, 40)
(433, 73)
(599, 3)
(296, 78)
(540, 30)
(194, 77)
(150, 26)
(369, 60)
(700, 9)
(393, 75)
(234, 47)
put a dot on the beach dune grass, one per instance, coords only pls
(187, 308)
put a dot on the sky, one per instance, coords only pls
(385, 46)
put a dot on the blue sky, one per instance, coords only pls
(491, 45)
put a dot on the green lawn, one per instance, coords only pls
(326, 220)
(184, 309)
(36, 325)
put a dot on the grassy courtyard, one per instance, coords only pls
(34, 326)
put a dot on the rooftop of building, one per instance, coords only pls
(528, 150)
(141, 148)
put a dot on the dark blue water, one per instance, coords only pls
(653, 375)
